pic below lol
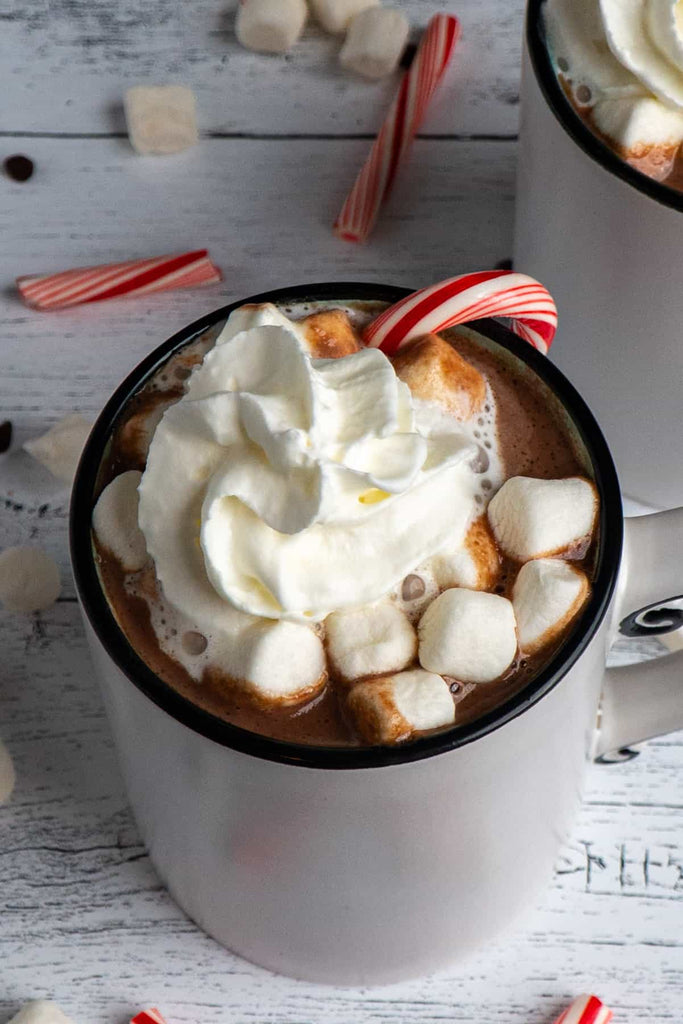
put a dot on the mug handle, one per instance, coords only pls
(646, 699)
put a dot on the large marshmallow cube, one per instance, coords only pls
(7, 776)
(373, 640)
(270, 26)
(335, 15)
(635, 122)
(394, 708)
(469, 635)
(375, 41)
(115, 521)
(474, 564)
(280, 662)
(40, 1011)
(435, 372)
(533, 518)
(29, 580)
(547, 594)
(161, 119)
(60, 448)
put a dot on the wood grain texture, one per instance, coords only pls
(67, 64)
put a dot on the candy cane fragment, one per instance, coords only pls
(151, 1016)
(359, 212)
(586, 1010)
(114, 280)
(468, 297)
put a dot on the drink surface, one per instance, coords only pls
(532, 440)
(621, 68)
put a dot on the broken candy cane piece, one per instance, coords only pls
(115, 280)
(151, 1016)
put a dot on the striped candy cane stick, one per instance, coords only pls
(113, 280)
(359, 212)
(586, 1010)
(468, 297)
(151, 1016)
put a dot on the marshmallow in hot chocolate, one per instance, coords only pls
(308, 507)
(623, 62)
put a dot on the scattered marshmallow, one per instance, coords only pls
(330, 334)
(375, 42)
(533, 518)
(394, 708)
(374, 640)
(469, 635)
(335, 15)
(29, 580)
(40, 1011)
(435, 372)
(547, 594)
(270, 26)
(7, 775)
(115, 521)
(161, 119)
(279, 662)
(60, 449)
(474, 564)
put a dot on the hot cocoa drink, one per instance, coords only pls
(621, 66)
(323, 545)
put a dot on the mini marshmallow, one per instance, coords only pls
(7, 775)
(330, 334)
(40, 1011)
(435, 372)
(277, 662)
(29, 580)
(270, 26)
(469, 635)
(533, 518)
(60, 449)
(394, 708)
(115, 521)
(335, 15)
(474, 564)
(160, 119)
(373, 640)
(547, 594)
(375, 42)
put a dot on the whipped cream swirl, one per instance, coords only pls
(291, 487)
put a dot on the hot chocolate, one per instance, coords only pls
(621, 66)
(316, 556)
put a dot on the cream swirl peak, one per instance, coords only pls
(292, 486)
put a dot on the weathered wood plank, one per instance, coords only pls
(66, 66)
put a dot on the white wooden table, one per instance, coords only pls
(83, 918)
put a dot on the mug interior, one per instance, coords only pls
(565, 403)
(574, 125)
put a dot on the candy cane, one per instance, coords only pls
(468, 297)
(113, 280)
(359, 212)
(151, 1016)
(586, 1010)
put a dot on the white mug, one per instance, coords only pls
(361, 866)
(607, 242)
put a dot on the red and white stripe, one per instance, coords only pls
(468, 297)
(113, 280)
(359, 212)
(151, 1016)
(586, 1010)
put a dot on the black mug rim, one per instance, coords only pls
(106, 628)
(575, 127)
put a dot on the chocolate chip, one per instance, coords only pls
(5, 436)
(194, 643)
(18, 167)
(503, 265)
(413, 587)
(408, 56)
